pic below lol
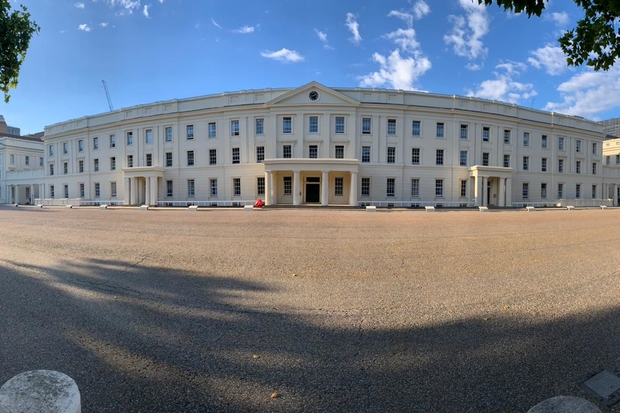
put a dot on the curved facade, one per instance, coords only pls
(315, 145)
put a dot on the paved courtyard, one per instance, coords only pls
(333, 310)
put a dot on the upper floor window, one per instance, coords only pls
(50, 150)
(148, 136)
(190, 158)
(149, 159)
(526, 139)
(80, 145)
(40, 161)
(112, 141)
(81, 166)
(391, 154)
(578, 145)
(526, 163)
(391, 127)
(440, 129)
(578, 167)
(486, 133)
(287, 124)
(168, 133)
(190, 132)
(339, 126)
(506, 161)
(543, 164)
(365, 154)
(236, 158)
(168, 159)
(96, 165)
(561, 166)
(463, 158)
(234, 127)
(366, 126)
(415, 156)
(212, 130)
(485, 159)
(313, 124)
(95, 143)
(507, 136)
(594, 148)
(594, 168)
(51, 169)
(259, 126)
(313, 151)
(129, 161)
(339, 151)
(561, 143)
(212, 156)
(12, 159)
(464, 131)
(439, 157)
(65, 147)
(129, 138)
(415, 128)
(260, 154)
(65, 168)
(544, 141)
(287, 151)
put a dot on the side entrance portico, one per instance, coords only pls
(492, 185)
(142, 185)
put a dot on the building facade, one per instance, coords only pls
(315, 145)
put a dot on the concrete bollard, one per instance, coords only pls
(144, 207)
(40, 391)
(192, 208)
(564, 404)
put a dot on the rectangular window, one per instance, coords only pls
(313, 151)
(365, 154)
(440, 129)
(236, 157)
(415, 128)
(617, 160)
(212, 130)
(52, 191)
(561, 143)
(593, 191)
(80, 166)
(112, 141)
(543, 191)
(577, 190)
(313, 124)
(149, 159)
(365, 186)
(339, 151)
(463, 158)
(260, 185)
(65, 147)
(80, 145)
(339, 126)
(594, 148)
(485, 159)
(486, 134)
(168, 133)
(366, 126)
(578, 167)
(439, 157)
(608, 160)
(112, 163)
(415, 156)
(525, 191)
(438, 188)
(97, 190)
(212, 156)
(40, 161)
(391, 184)
(113, 189)
(190, 132)
(463, 189)
(543, 164)
(50, 150)
(526, 139)
(148, 136)
(578, 145)
(391, 127)
(129, 138)
(129, 161)
(169, 189)
(26, 160)
(12, 159)
(288, 185)
(561, 166)
(560, 191)
(464, 131)
(95, 143)
(236, 186)
(594, 168)
(507, 136)
(260, 154)
(96, 165)
(51, 169)
(81, 190)
(259, 127)
(287, 125)
(338, 186)
(415, 187)
(287, 151)
(190, 158)
(65, 168)
(234, 127)
(391, 154)
(506, 161)
(213, 187)
(544, 141)
(526, 163)
(190, 188)
(168, 159)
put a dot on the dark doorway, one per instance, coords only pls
(313, 192)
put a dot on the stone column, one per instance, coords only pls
(17, 194)
(615, 195)
(353, 190)
(267, 188)
(126, 193)
(477, 189)
(154, 187)
(147, 195)
(508, 192)
(502, 193)
(133, 199)
(296, 188)
(485, 181)
(325, 189)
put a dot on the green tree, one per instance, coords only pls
(594, 41)
(16, 30)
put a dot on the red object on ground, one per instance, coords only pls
(259, 203)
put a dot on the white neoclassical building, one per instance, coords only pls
(315, 145)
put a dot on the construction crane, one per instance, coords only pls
(107, 94)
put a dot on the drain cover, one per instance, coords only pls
(604, 385)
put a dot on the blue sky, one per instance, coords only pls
(158, 50)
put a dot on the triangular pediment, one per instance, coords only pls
(310, 94)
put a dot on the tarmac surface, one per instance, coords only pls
(311, 310)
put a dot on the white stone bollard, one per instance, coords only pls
(192, 208)
(144, 207)
(40, 391)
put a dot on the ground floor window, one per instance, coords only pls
(51, 191)
(213, 186)
(97, 190)
(438, 188)
(236, 186)
(365, 186)
(543, 191)
(81, 188)
(560, 191)
(415, 187)
(260, 185)
(169, 192)
(66, 191)
(190, 188)
(593, 191)
(525, 190)
(391, 184)
(463, 189)
(577, 191)
(288, 185)
(113, 189)
(338, 186)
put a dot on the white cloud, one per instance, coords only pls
(244, 30)
(284, 55)
(406, 17)
(396, 71)
(405, 39)
(354, 28)
(589, 93)
(215, 23)
(561, 19)
(80, 5)
(551, 58)
(84, 27)
(103, 24)
(161, 1)
(145, 10)
(323, 37)
(504, 88)
(468, 31)
(127, 5)
(421, 9)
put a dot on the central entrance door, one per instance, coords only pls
(313, 193)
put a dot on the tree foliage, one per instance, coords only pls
(16, 30)
(594, 42)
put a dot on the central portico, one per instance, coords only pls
(303, 181)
